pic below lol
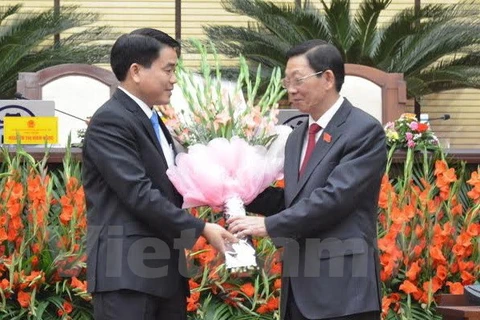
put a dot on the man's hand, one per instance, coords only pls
(217, 235)
(247, 226)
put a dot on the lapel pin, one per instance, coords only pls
(327, 138)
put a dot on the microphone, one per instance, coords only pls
(444, 117)
(20, 96)
(424, 117)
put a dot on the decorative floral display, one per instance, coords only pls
(429, 226)
(408, 132)
(42, 241)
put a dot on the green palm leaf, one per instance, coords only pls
(340, 25)
(406, 23)
(445, 78)
(26, 42)
(365, 32)
(420, 51)
(436, 48)
(257, 46)
(5, 12)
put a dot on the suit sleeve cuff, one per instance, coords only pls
(279, 238)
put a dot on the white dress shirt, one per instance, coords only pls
(322, 122)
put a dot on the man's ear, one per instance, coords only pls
(329, 79)
(134, 72)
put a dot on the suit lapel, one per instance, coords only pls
(167, 135)
(165, 131)
(142, 117)
(329, 136)
(292, 158)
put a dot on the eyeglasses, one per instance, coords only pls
(296, 82)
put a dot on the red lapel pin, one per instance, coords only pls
(327, 138)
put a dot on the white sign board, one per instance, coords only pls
(25, 108)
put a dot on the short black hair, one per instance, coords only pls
(160, 36)
(321, 56)
(141, 46)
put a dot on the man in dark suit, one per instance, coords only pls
(136, 230)
(325, 218)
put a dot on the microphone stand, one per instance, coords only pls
(19, 96)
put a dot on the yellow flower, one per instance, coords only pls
(392, 135)
(409, 116)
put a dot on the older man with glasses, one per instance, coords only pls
(325, 217)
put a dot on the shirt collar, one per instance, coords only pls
(327, 116)
(140, 103)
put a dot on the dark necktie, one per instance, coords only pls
(312, 131)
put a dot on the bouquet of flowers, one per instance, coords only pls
(408, 132)
(235, 150)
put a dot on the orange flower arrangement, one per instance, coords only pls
(428, 234)
(213, 288)
(428, 226)
(42, 235)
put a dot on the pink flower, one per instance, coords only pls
(200, 117)
(410, 143)
(221, 119)
(390, 125)
(248, 122)
(183, 136)
(253, 119)
(414, 125)
(409, 136)
(173, 124)
(168, 111)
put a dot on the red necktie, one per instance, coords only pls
(312, 131)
